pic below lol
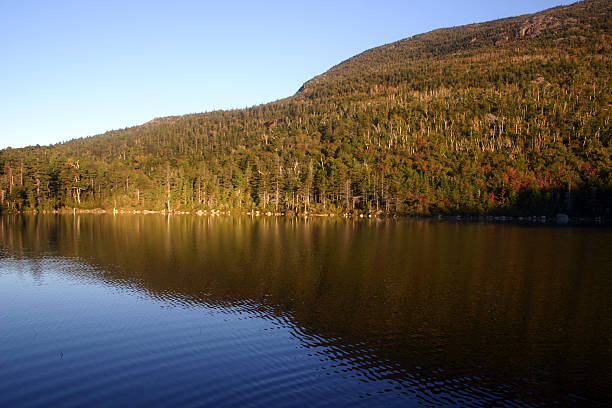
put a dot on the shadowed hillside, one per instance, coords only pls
(505, 117)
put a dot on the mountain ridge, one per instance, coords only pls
(520, 27)
(529, 30)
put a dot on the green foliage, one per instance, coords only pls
(510, 116)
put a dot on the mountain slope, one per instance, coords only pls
(573, 25)
(510, 116)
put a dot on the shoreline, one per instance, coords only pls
(559, 219)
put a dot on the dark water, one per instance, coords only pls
(192, 311)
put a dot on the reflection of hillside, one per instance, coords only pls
(431, 305)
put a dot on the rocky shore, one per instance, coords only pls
(558, 219)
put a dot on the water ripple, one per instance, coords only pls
(184, 314)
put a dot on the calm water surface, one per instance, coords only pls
(102, 310)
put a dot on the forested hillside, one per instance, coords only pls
(505, 117)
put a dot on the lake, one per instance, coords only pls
(153, 310)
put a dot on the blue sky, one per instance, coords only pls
(78, 68)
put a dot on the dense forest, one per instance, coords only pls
(506, 117)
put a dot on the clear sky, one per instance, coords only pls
(78, 68)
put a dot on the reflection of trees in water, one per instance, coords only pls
(430, 306)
